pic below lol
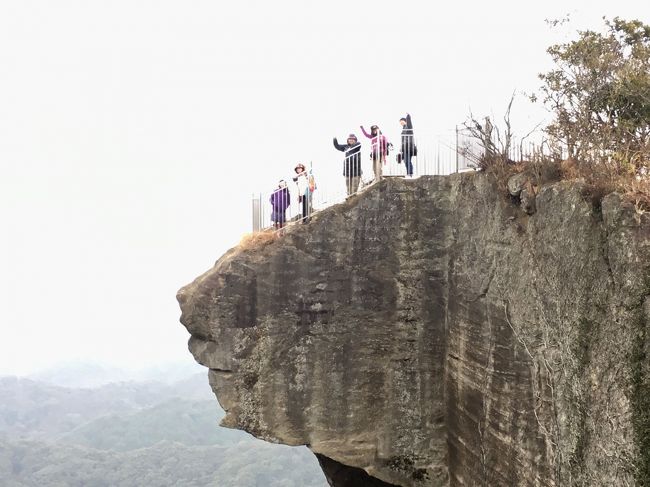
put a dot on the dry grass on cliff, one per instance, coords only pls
(500, 170)
(600, 179)
(603, 179)
(258, 239)
(638, 193)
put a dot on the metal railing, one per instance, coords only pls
(266, 216)
(431, 156)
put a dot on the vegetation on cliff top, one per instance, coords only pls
(598, 94)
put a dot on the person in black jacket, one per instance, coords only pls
(408, 144)
(351, 163)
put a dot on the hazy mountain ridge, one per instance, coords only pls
(191, 423)
(91, 375)
(38, 463)
(132, 434)
(35, 409)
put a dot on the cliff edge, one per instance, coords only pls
(429, 332)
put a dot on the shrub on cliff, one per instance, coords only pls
(599, 95)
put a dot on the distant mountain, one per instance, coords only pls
(132, 434)
(192, 423)
(90, 375)
(80, 374)
(36, 410)
(249, 464)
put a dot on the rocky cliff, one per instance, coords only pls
(430, 332)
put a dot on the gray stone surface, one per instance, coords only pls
(430, 332)
(517, 183)
(528, 201)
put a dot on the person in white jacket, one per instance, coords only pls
(304, 194)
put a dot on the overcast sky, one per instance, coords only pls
(132, 134)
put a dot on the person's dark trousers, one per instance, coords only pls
(408, 163)
(306, 205)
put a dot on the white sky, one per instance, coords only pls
(132, 134)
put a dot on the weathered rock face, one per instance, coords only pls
(429, 332)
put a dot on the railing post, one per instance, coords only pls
(256, 213)
(457, 156)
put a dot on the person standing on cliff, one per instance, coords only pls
(408, 149)
(378, 149)
(352, 163)
(304, 194)
(280, 201)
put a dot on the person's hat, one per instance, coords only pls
(402, 119)
(299, 166)
(374, 127)
(352, 136)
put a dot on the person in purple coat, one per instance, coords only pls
(280, 201)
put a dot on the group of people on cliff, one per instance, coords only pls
(380, 148)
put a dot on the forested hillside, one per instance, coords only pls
(135, 433)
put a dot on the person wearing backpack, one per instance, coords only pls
(379, 147)
(352, 162)
(280, 201)
(408, 149)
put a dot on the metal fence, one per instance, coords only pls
(266, 216)
(440, 155)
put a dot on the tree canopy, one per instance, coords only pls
(599, 93)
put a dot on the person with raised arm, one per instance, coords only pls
(351, 163)
(379, 147)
